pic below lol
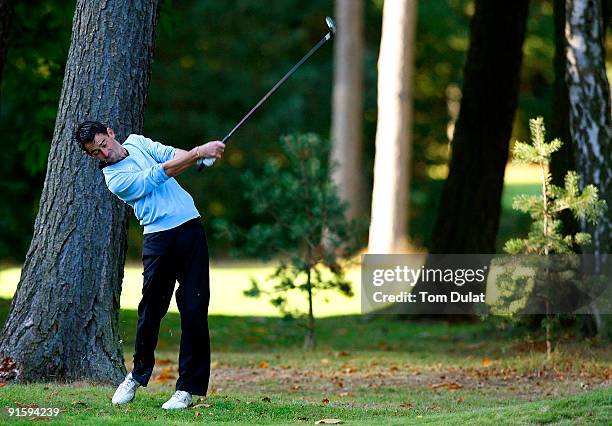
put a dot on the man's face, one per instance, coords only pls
(105, 147)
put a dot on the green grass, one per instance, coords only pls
(376, 371)
(90, 405)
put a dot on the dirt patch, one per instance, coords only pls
(531, 386)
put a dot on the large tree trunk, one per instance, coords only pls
(390, 195)
(590, 115)
(63, 322)
(348, 105)
(468, 216)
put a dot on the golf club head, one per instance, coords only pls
(331, 25)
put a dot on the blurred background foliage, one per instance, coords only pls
(213, 61)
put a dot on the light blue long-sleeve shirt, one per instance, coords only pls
(139, 179)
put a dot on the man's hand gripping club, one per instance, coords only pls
(182, 160)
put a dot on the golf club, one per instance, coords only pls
(207, 162)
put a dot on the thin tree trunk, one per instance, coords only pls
(468, 216)
(63, 322)
(563, 160)
(309, 339)
(590, 115)
(390, 195)
(348, 105)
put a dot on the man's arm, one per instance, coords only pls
(185, 159)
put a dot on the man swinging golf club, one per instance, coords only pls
(141, 173)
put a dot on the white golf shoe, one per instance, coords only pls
(126, 390)
(178, 401)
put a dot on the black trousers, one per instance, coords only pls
(178, 254)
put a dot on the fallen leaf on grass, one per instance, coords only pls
(202, 406)
(165, 377)
(8, 369)
(486, 361)
(405, 405)
(264, 364)
(342, 353)
(348, 368)
(325, 401)
(81, 403)
(328, 422)
(324, 361)
(449, 386)
(20, 405)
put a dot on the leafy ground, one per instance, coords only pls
(366, 371)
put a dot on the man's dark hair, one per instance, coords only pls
(87, 131)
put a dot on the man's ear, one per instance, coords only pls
(86, 151)
(110, 132)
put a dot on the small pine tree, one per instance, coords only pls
(303, 226)
(545, 237)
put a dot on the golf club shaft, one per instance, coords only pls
(207, 162)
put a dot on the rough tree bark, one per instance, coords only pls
(390, 195)
(347, 105)
(468, 216)
(63, 322)
(590, 116)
